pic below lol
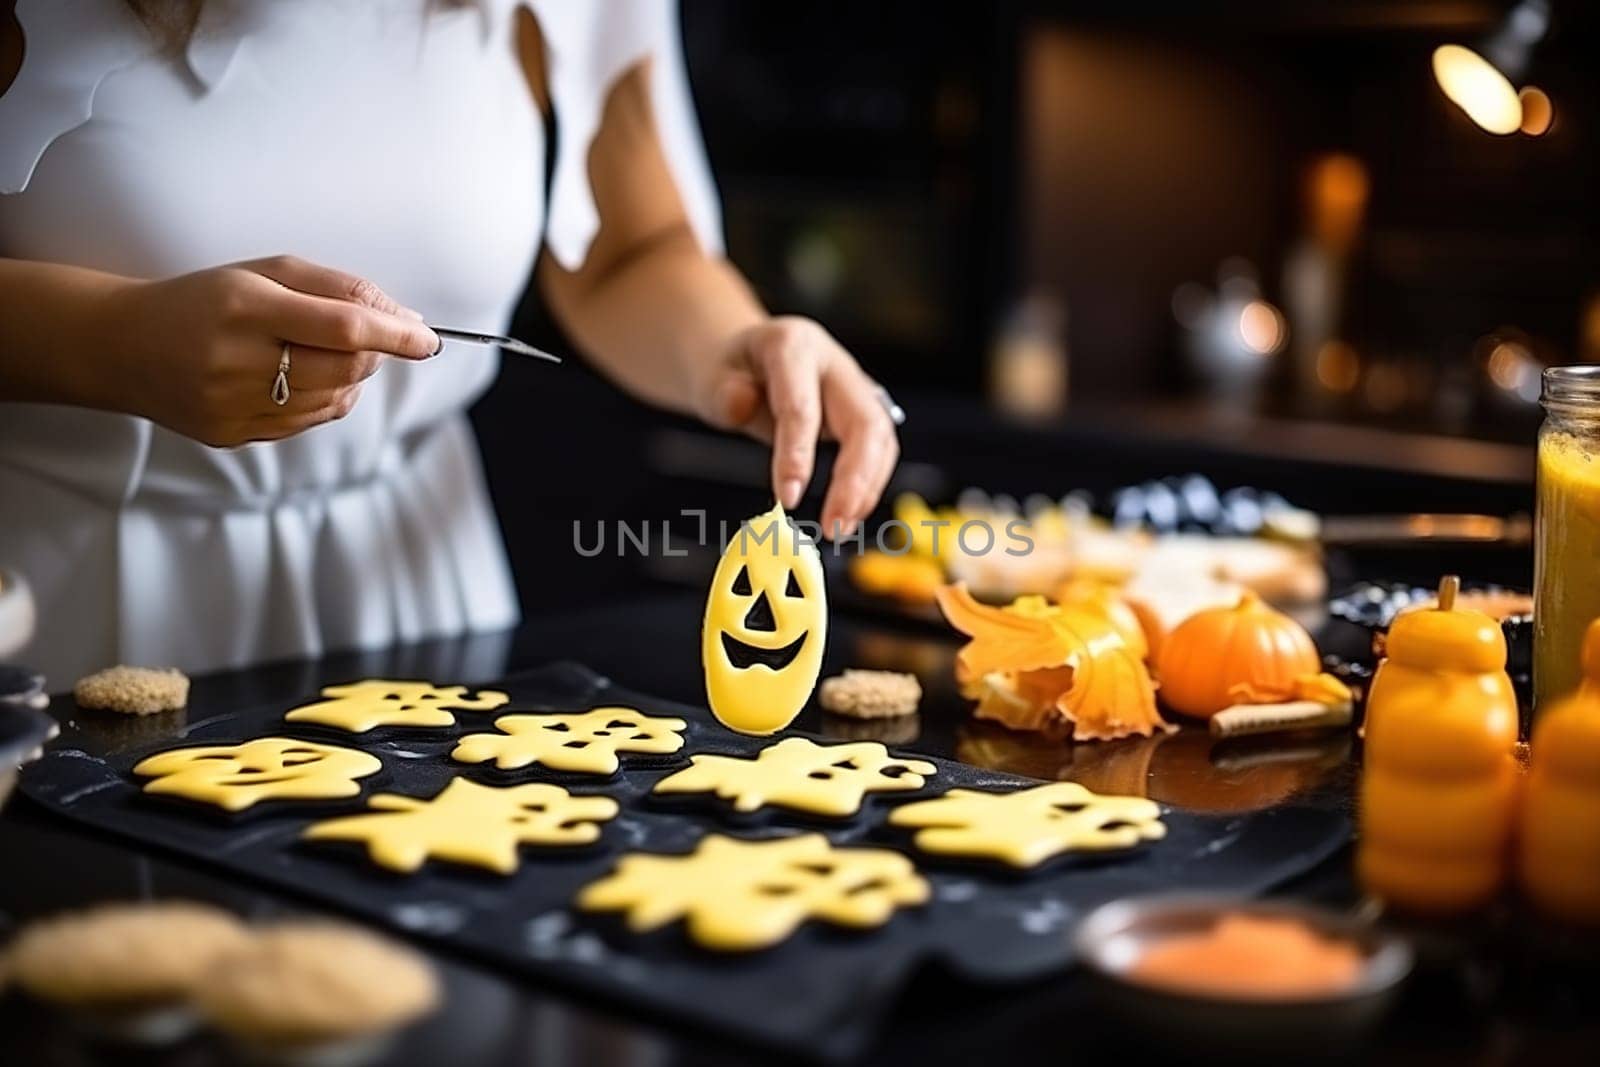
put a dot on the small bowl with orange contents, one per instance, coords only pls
(1265, 977)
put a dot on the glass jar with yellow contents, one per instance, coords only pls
(1567, 542)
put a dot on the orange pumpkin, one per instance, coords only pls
(1246, 654)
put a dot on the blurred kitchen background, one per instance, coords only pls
(1303, 246)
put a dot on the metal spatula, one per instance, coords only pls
(510, 344)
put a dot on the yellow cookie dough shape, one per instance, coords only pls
(468, 823)
(765, 624)
(366, 705)
(235, 777)
(802, 775)
(737, 895)
(1029, 826)
(587, 742)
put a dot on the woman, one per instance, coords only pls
(197, 189)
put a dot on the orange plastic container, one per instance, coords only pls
(1558, 843)
(1439, 782)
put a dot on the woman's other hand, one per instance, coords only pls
(788, 382)
(198, 353)
(656, 311)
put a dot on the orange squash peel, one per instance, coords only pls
(1032, 665)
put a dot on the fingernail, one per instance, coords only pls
(438, 344)
(789, 493)
(411, 313)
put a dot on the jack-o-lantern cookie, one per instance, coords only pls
(801, 775)
(367, 705)
(587, 742)
(765, 624)
(236, 777)
(1029, 826)
(471, 824)
(736, 895)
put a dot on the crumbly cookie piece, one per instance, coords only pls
(133, 690)
(119, 954)
(310, 981)
(871, 694)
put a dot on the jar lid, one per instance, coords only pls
(1577, 386)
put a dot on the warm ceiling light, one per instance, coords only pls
(1537, 112)
(1483, 80)
(1477, 88)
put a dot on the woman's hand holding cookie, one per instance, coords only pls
(198, 353)
(788, 382)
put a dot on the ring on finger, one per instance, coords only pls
(896, 413)
(280, 383)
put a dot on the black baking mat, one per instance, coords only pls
(821, 992)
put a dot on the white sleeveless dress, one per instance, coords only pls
(381, 137)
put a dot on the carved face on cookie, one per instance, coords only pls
(765, 626)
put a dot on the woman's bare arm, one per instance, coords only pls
(51, 325)
(682, 329)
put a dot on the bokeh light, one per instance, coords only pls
(1477, 88)
(1513, 368)
(1538, 113)
(1261, 327)
(1386, 387)
(1338, 367)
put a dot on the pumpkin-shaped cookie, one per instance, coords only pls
(765, 625)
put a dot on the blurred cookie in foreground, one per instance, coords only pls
(133, 690)
(129, 971)
(859, 694)
(317, 992)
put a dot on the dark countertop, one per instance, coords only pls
(1501, 990)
